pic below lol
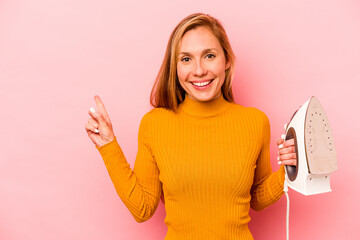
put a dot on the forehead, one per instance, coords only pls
(198, 39)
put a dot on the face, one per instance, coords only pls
(201, 64)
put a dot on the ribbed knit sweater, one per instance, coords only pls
(212, 161)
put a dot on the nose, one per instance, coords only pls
(199, 69)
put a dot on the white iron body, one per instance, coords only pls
(315, 149)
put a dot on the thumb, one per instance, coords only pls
(280, 140)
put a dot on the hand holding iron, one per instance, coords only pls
(287, 155)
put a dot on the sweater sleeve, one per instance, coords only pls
(139, 189)
(268, 186)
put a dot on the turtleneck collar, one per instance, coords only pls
(203, 109)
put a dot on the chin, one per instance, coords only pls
(204, 98)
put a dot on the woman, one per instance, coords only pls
(208, 155)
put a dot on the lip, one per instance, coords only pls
(202, 87)
(206, 80)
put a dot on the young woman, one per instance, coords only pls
(208, 155)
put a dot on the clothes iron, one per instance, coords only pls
(314, 147)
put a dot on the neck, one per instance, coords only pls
(204, 108)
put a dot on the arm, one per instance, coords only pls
(268, 186)
(139, 189)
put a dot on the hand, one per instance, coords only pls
(99, 126)
(287, 155)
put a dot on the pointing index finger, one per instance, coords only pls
(101, 108)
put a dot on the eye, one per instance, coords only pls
(185, 59)
(210, 55)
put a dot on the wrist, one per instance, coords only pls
(106, 141)
(110, 139)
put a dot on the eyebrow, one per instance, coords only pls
(205, 50)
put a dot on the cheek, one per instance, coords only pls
(181, 73)
(219, 70)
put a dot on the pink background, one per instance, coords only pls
(56, 55)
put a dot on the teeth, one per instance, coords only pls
(201, 84)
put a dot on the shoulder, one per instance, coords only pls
(250, 112)
(154, 120)
(260, 115)
(156, 115)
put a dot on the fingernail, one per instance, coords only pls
(278, 158)
(279, 162)
(281, 146)
(96, 130)
(283, 136)
(92, 110)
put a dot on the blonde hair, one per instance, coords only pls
(167, 91)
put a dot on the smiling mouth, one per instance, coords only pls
(201, 84)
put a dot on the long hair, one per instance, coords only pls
(167, 91)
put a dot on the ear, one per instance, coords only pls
(227, 65)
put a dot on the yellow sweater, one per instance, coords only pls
(212, 162)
